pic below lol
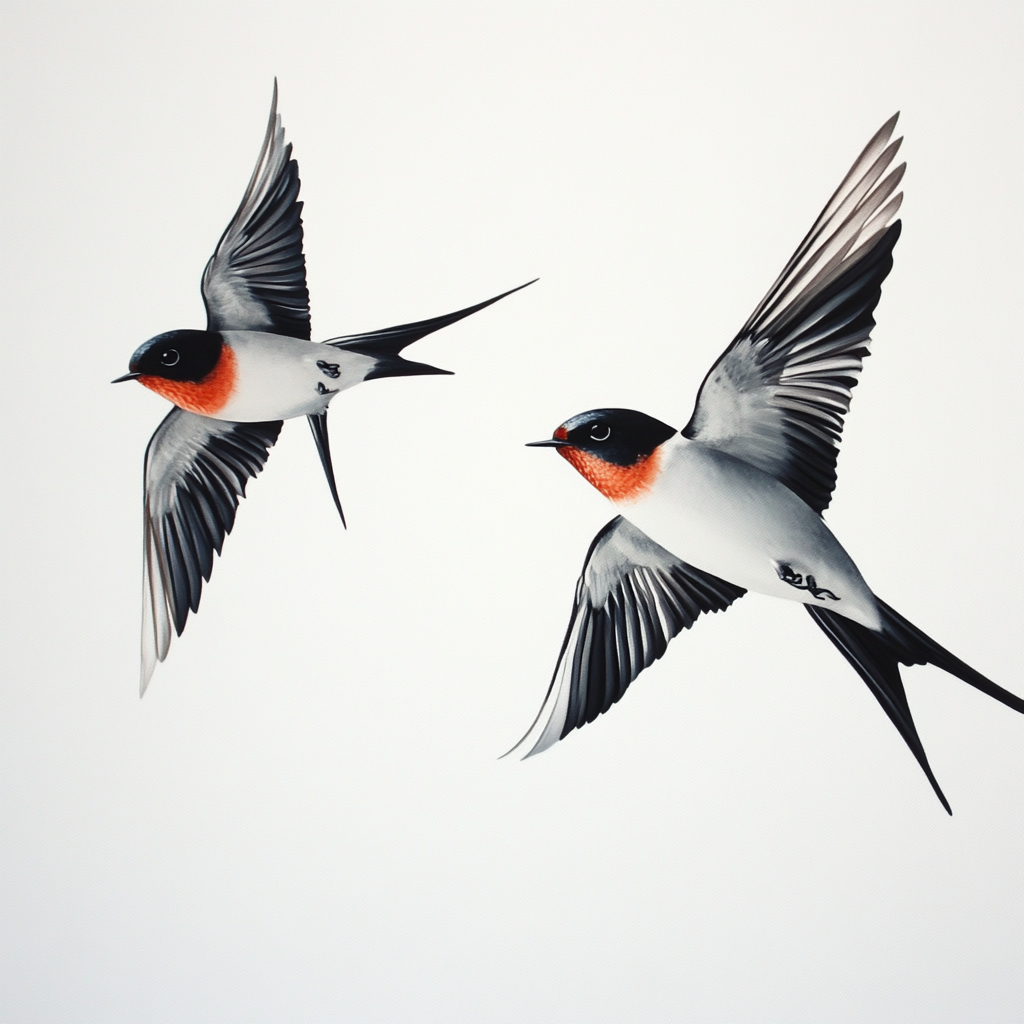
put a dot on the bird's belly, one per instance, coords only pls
(743, 526)
(279, 378)
(280, 396)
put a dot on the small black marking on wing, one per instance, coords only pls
(796, 580)
(322, 389)
(331, 369)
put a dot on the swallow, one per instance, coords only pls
(233, 384)
(734, 501)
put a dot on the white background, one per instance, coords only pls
(305, 819)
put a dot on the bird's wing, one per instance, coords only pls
(632, 598)
(196, 470)
(777, 396)
(256, 278)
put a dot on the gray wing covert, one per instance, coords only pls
(778, 395)
(632, 598)
(196, 470)
(256, 278)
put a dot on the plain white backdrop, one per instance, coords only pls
(305, 818)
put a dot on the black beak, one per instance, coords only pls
(553, 443)
(127, 376)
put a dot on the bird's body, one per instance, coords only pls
(734, 501)
(730, 519)
(260, 376)
(281, 378)
(233, 384)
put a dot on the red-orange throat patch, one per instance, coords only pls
(619, 483)
(208, 396)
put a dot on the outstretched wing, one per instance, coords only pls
(632, 598)
(256, 278)
(777, 396)
(196, 470)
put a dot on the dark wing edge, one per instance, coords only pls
(256, 278)
(632, 598)
(778, 395)
(196, 469)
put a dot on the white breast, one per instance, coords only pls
(730, 519)
(279, 378)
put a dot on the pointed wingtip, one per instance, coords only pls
(514, 748)
(880, 139)
(537, 748)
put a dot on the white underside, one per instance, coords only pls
(278, 376)
(724, 516)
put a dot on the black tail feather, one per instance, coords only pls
(318, 424)
(874, 660)
(386, 343)
(877, 656)
(912, 647)
(395, 366)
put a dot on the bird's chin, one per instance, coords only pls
(616, 483)
(205, 397)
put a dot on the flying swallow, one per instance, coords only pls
(233, 384)
(734, 501)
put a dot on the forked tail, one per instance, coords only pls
(386, 344)
(877, 656)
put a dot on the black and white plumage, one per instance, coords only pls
(733, 501)
(256, 277)
(234, 383)
(777, 396)
(632, 598)
(195, 473)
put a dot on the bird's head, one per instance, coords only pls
(193, 369)
(616, 450)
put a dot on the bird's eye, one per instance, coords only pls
(600, 432)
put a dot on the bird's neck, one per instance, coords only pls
(204, 397)
(617, 483)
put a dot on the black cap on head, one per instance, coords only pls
(619, 436)
(178, 355)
